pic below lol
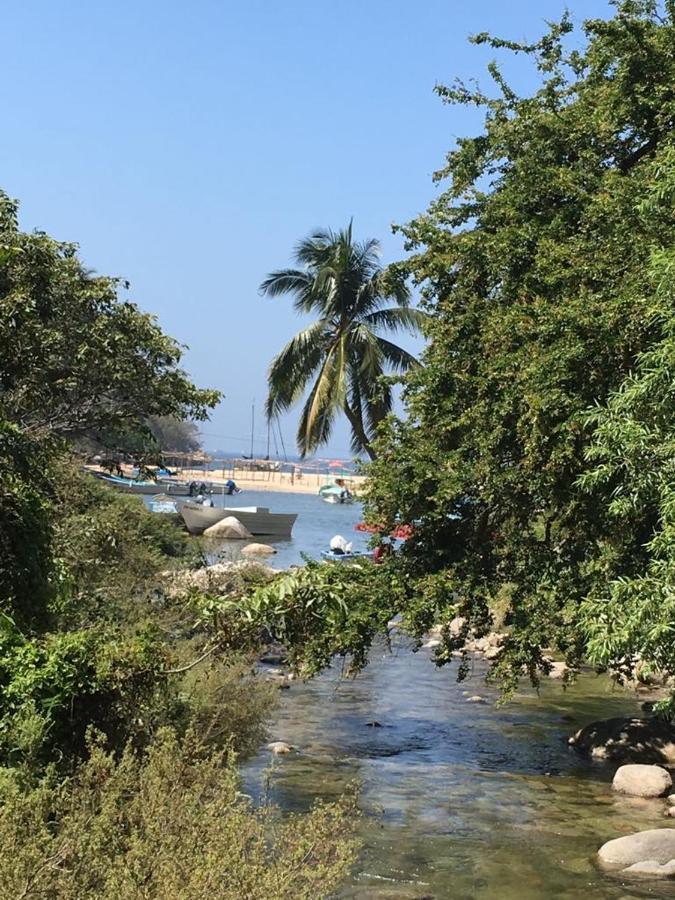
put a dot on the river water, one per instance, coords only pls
(460, 799)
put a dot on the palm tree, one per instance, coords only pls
(342, 354)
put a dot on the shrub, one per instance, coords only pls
(169, 826)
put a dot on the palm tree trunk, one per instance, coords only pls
(359, 430)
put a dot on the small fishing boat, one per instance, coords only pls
(351, 556)
(336, 493)
(162, 503)
(257, 519)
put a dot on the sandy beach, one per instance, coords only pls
(284, 482)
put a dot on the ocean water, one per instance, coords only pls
(316, 524)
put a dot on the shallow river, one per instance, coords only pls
(461, 799)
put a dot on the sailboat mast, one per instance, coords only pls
(252, 425)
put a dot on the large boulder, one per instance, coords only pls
(645, 852)
(636, 739)
(258, 550)
(229, 528)
(642, 781)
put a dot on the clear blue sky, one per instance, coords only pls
(187, 146)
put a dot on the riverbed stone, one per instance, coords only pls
(635, 739)
(431, 644)
(642, 780)
(279, 748)
(258, 550)
(457, 626)
(558, 670)
(476, 698)
(651, 867)
(657, 845)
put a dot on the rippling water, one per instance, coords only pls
(461, 799)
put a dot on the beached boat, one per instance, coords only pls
(257, 519)
(131, 486)
(162, 503)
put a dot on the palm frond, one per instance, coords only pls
(294, 366)
(397, 358)
(397, 318)
(325, 398)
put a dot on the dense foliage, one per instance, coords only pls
(535, 264)
(172, 826)
(343, 351)
(75, 359)
(96, 639)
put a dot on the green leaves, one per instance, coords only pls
(536, 267)
(75, 360)
(343, 350)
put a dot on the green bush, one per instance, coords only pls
(168, 826)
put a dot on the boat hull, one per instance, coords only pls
(129, 486)
(258, 520)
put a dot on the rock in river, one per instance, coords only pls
(258, 550)
(636, 739)
(645, 852)
(278, 748)
(642, 781)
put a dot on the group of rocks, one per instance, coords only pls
(651, 852)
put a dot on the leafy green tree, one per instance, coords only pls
(75, 359)
(535, 266)
(343, 352)
(174, 434)
(629, 617)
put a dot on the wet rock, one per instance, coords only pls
(432, 644)
(457, 626)
(279, 748)
(275, 654)
(476, 698)
(258, 550)
(642, 781)
(636, 739)
(670, 812)
(656, 846)
(651, 867)
(373, 724)
(558, 670)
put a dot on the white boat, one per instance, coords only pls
(257, 519)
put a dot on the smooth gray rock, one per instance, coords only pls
(642, 781)
(636, 739)
(258, 550)
(656, 845)
(278, 748)
(652, 867)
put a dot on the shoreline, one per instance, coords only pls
(274, 482)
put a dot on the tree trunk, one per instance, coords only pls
(358, 428)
